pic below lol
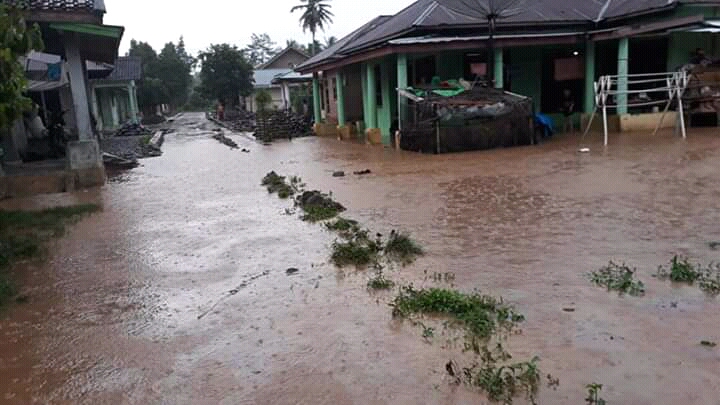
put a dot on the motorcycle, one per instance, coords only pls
(56, 133)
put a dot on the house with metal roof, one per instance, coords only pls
(114, 96)
(279, 65)
(541, 49)
(74, 31)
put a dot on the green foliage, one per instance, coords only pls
(379, 282)
(263, 99)
(22, 234)
(316, 15)
(480, 315)
(501, 380)
(317, 213)
(680, 270)
(16, 40)
(400, 247)
(358, 252)
(593, 397)
(276, 184)
(167, 76)
(618, 277)
(261, 49)
(225, 73)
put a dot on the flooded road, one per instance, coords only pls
(133, 305)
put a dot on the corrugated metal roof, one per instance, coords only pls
(339, 47)
(127, 68)
(436, 16)
(264, 77)
(59, 5)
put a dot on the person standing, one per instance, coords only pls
(568, 110)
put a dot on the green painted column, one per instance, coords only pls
(402, 83)
(363, 83)
(371, 119)
(622, 84)
(498, 69)
(340, 83)
(589, 104)
(316, 99)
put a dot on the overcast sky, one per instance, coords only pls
(208, 22)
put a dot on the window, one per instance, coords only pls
(327, 95)
(378, 86)
(334, 86)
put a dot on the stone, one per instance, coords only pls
(339, 173)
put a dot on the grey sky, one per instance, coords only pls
(217, 21)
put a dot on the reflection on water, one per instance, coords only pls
(113, 315)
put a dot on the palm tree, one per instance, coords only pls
(316, 15)
(490, 11)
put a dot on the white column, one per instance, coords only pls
(78, 86)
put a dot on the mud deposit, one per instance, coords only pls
(178, 292)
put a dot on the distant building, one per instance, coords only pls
(280, 65)
(114, 97)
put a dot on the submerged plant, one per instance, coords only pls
(501, 379)
(680, 270)
(593, 397)
(618, 277)
(400, 247)
(277, 184)
(480, 315)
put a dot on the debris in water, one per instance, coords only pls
(708, 343)
(225, 140)
(234, 291)
(362, 172)
(339, 173)
(714, 245)
(291, 271)
(584, 150)
(569, 309)
(245, 150)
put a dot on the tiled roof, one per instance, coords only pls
(127, 68)
(59, 5)
(283, 52)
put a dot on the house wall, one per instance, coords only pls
(275, 93)
(683, 44)
(387, 113)
(285, 61)
(353, 93)
(526, 72)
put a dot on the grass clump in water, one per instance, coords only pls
(22, 234)
(344, 227)
(500, 379)
(379, 282)
(618, 277)
(480, 315)
(680, 270)
(277, 184)
(318, 206)
(359, 252)
(402, 248)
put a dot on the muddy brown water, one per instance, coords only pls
(132, 306)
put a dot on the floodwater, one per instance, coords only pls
(134, 304)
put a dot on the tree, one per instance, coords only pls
(330, 42)
(151, 92)
(16, 40)
(167, 77)
(225, 73)
(316, 15)
(261, 49)
(490, 11)
(174, 68)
